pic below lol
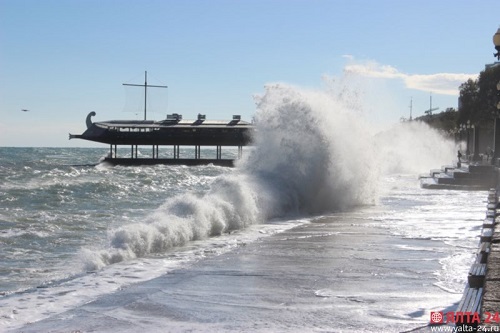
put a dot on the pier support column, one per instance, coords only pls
(155, 151)
(219, 152)
(240, 152)
(197, 152)
(112, 151)
(176, 151)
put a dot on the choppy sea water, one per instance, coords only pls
(373, 267)
(321, 227)
(53, 204)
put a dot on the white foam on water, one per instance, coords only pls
(314, 154)
(311, 155)
(23, 308)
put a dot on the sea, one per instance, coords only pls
(321, 227)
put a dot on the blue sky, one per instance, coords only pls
(62, 59)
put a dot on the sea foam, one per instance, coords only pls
(312, 154)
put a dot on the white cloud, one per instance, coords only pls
(440, 83)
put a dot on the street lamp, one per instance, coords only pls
(498, 96)
(496, 41)
(475, 140)
(496, 155)
(467, 128)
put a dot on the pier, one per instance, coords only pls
(173, 132)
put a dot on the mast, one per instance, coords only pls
(430, 103)
(411, 107)
(429, 112)
(145, 85)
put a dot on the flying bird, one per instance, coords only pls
(24, 110)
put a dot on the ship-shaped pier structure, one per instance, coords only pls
(174, 132)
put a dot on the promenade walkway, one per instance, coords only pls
(480, 304)
(479, 307)
(490, 303)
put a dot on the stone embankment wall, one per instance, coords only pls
(480, 303)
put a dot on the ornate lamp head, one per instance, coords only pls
(496, 42)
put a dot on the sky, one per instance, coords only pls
(61, 59)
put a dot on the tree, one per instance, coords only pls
(445, 122)
(478, 98)
(469, 93)
(487, 82)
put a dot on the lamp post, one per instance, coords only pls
(467, 128)
(464, 135)
(496, 154)
(498, 96)
(475, 137)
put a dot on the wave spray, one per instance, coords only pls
(312, 154)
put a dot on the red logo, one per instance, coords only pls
(437, 317)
